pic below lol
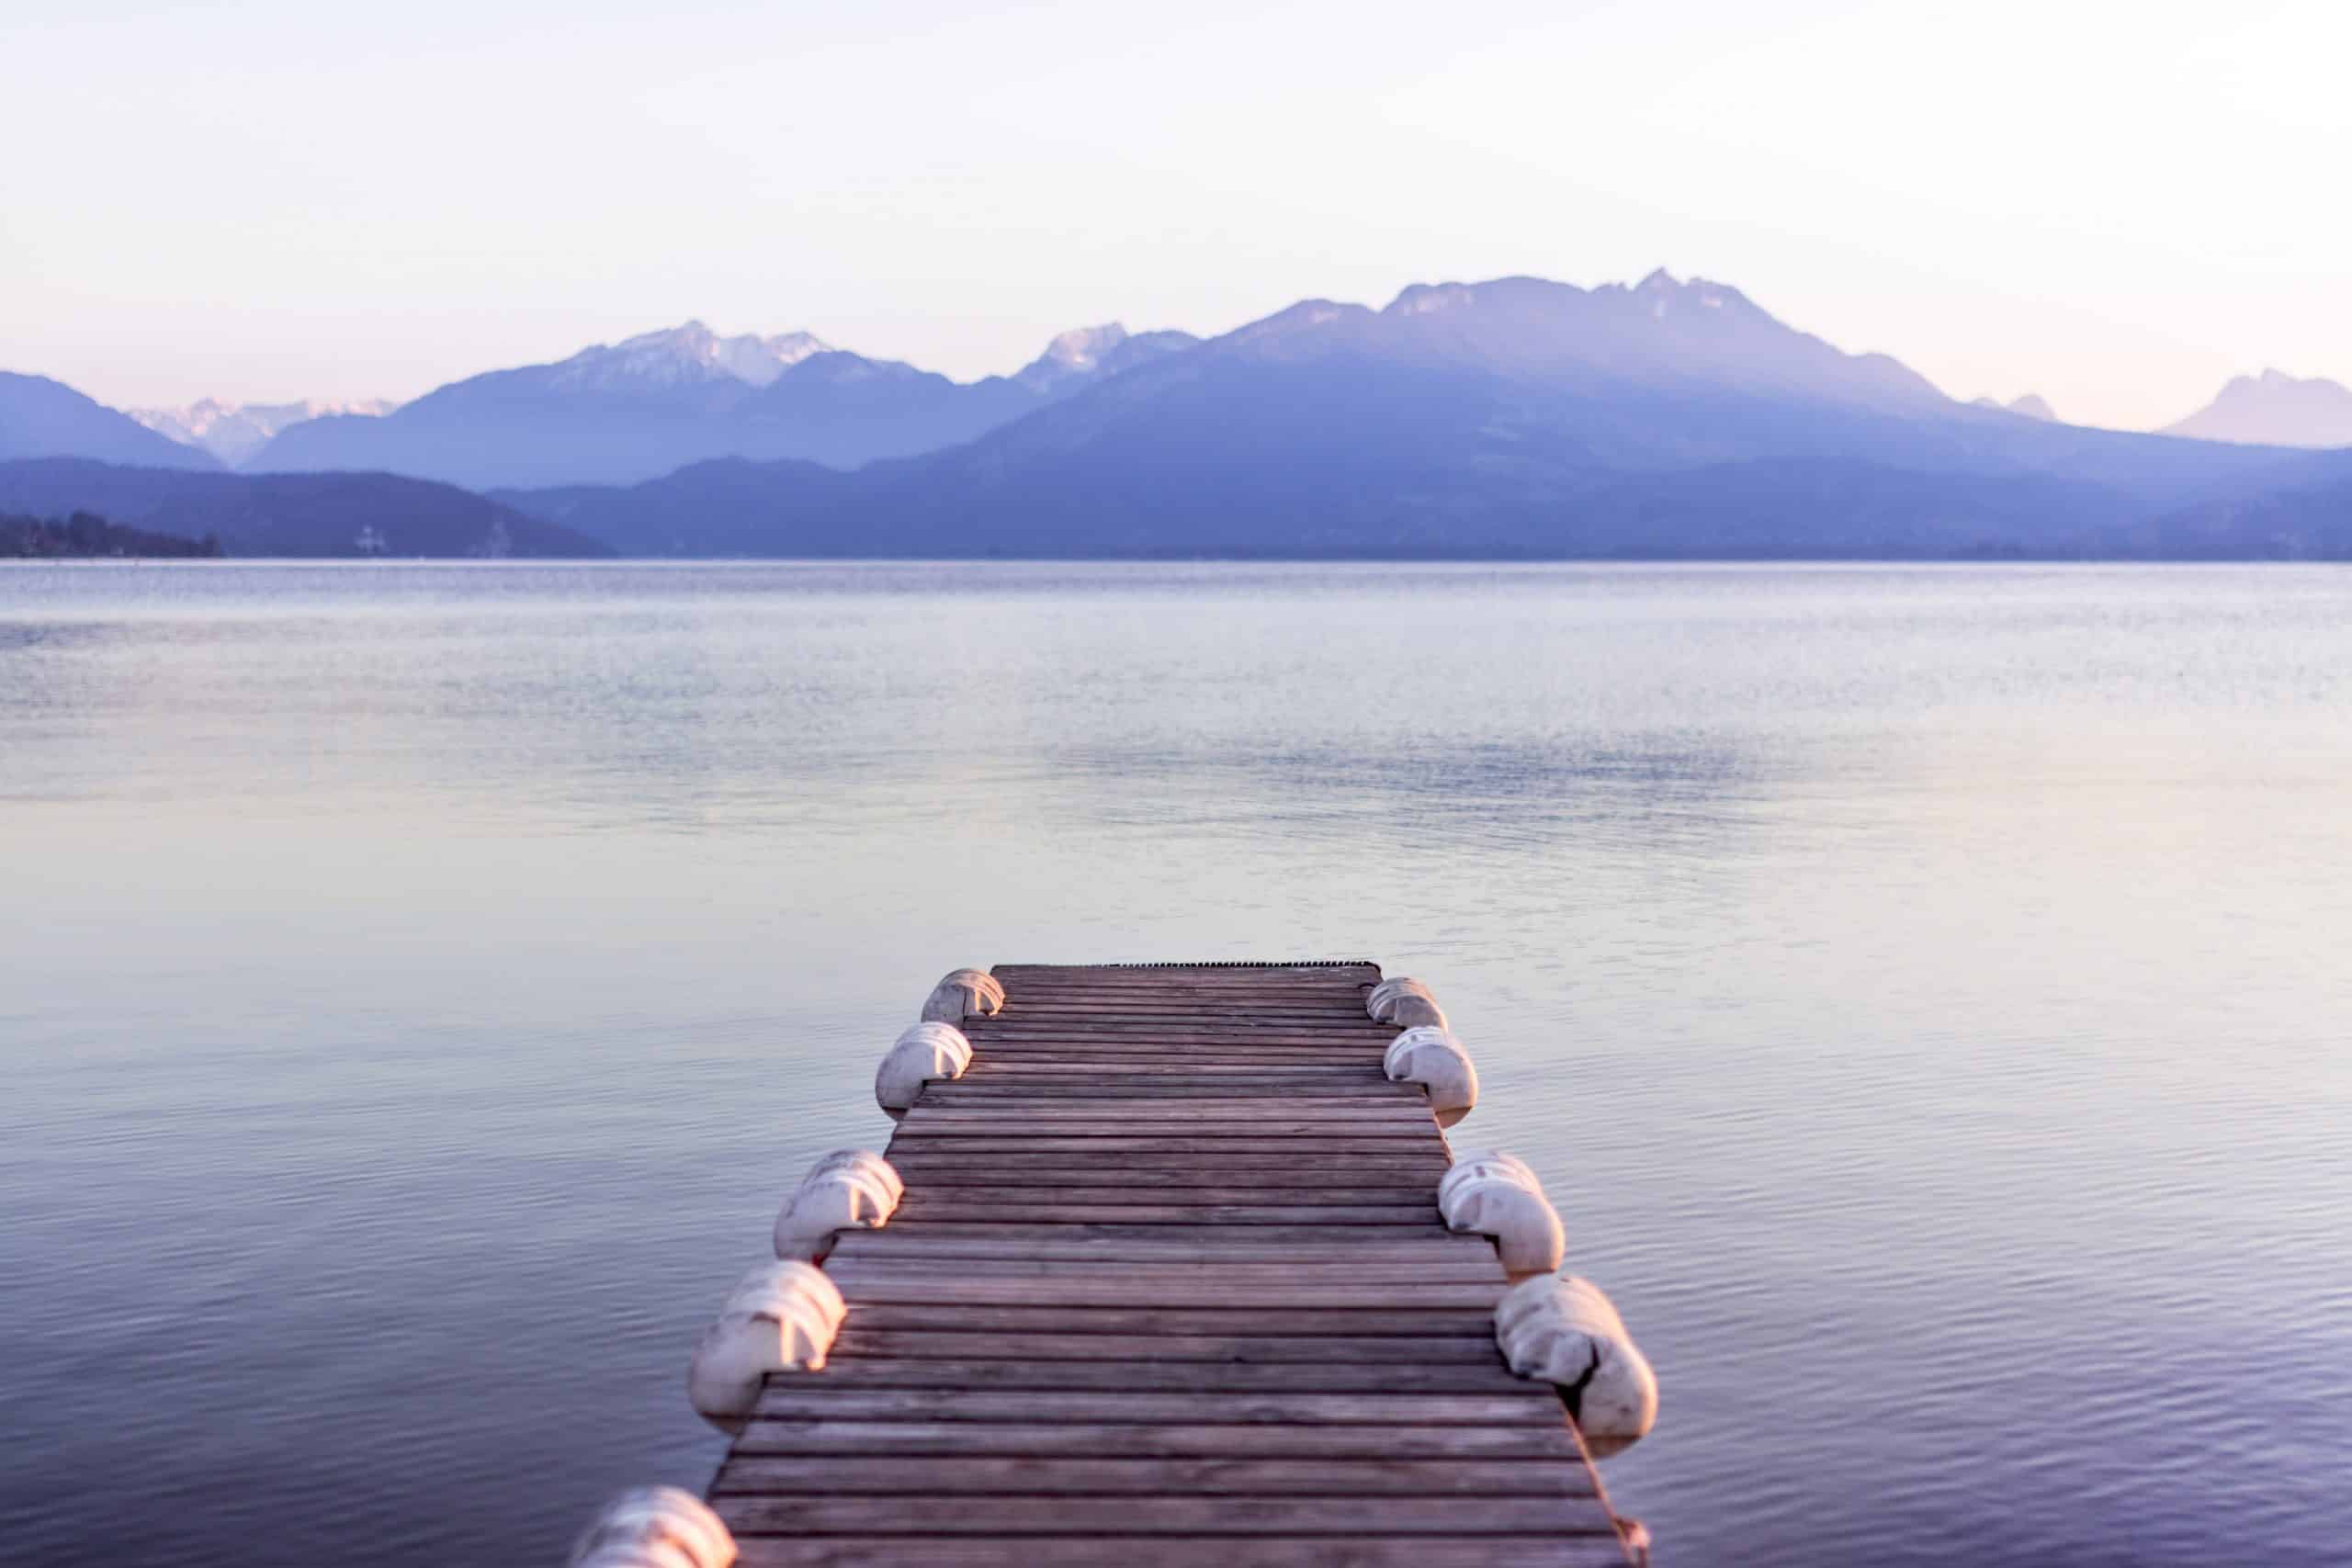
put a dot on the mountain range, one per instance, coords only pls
(234, 432)
(1517, 418)
(1514, 418)
(319, 515)
(646, 406)
(41, 418)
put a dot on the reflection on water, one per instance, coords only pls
(1923, 989)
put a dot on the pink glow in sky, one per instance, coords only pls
(2117, 205)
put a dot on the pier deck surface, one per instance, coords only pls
(1168, 1285)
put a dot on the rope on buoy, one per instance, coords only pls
(1497, 1195)
(1430, 1056)
(655, 1527)
(963, 993)
(1404, 1002)
(1566, 1332)
(781, 1318)
(926, 1052)
(847, 1189)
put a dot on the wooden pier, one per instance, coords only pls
(1167, 1285)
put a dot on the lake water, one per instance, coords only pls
(1927, 992)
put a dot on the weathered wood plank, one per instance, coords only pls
(1146, 1516)
(1448, 1267)
(1180, 1214)
(968, 1474)
(914, 1240)
(918, 1436)
(813, 1396)
(1282, 1239)
(876, 1550)
(858, 1339)
(1338, 1322)
(1148, 1375)
(946, 1287)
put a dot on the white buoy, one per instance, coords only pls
(1566, 1332)
(1428, 1055)
(781, 1318)
(1405, 1002)
(925, 1053)
(655, 1527)
(1498, 1196)
(847, 1189)
(1485, 1163)
(963, 993)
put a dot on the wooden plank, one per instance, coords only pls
(857, 1339)
(1395, 1375)
(1146, 1516)
(919, 1436)
(1265, 1182)
(871, 1550)
(1398, 1132)
(813, 1396)
(1275, 1238)
(1188, 1274)
(1277, 1117)
(1059, 1318)
(1412, 1194)
(1178, 1289)
(1471, 1266)
(1170, 1214)
(968, 1474)
(915, 1240)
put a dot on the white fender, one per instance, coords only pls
(1433, 1058)
(926, 1051)
(655, 1527)
(1483, 1164)
(1511, 1209)
(963, 993)
(1566, 1332)
(865, 1161)
(782, 1317)
(1389, 994)
(848, 1189)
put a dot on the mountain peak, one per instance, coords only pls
(2273, 409)
(2032, 405)
(234, 432)
(683, 355)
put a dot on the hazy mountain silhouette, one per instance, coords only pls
(41, 418)
(651, 404)
(1517, 418)
(2033, 405)
(289, 514)
(2276, 410)
(234, 432)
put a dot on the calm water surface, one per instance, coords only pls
(1926, 992)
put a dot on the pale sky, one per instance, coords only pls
(2116, 205)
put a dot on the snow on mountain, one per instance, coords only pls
(681, 356)
(234, 432)
(1087, 354)
(2273, 409)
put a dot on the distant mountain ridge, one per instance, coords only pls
(1513, 419)
(309, 515)
(2273, 409)
(649, 405)
(41, 418)
(234, 432)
